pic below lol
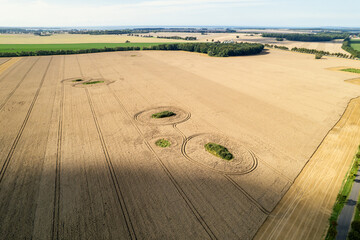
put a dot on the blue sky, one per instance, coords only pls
(271, 13)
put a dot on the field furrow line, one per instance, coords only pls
(227, 176)
(315, 214)
(258, 205)
(120, 196)
(2, 76)
(304, 181)
(338, 177)
(13, 147)
(18, 85)
(114, 179)
(183, 152)
(167, 171)
(56, 208)
(6, 65)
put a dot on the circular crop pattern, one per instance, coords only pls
(76, 80)
(169, 115)
(93, 82)
(86, 82)
(243, 161)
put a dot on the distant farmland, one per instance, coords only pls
(355, 44)
(72, 46)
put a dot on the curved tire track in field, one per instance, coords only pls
(13, 147)
(184, 153)
(227, 176)
(166, 170)
(18, 85)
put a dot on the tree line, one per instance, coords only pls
(212, 49)
(320, 37)
(311, 51)
(324, 53)
(66, 52)
(347, 47)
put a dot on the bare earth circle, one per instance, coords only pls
(244, 160)
(145, 116)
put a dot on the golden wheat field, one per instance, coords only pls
(79, 160)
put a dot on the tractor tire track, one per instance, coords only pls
(13, 147)
(166, 170)
(11, 67)
(17, 86)
(56, 209)
(114, 179)
(110, 166)
(247, 195)
(168, 173)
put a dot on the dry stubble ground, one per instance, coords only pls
(81, 162)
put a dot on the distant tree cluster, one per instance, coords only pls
(213, 49)
(320, 37)
(347, 47)
(178, 37)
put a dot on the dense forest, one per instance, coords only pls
(212, 49)
(347, 47)
(320, 37)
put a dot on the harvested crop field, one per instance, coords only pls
(80, 161)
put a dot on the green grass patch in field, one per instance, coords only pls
(218, 150)
(355, 44)
(68, 46)
(163, 114)
(353, 70)
(163, 143)
(94, 82)
(342, 197)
